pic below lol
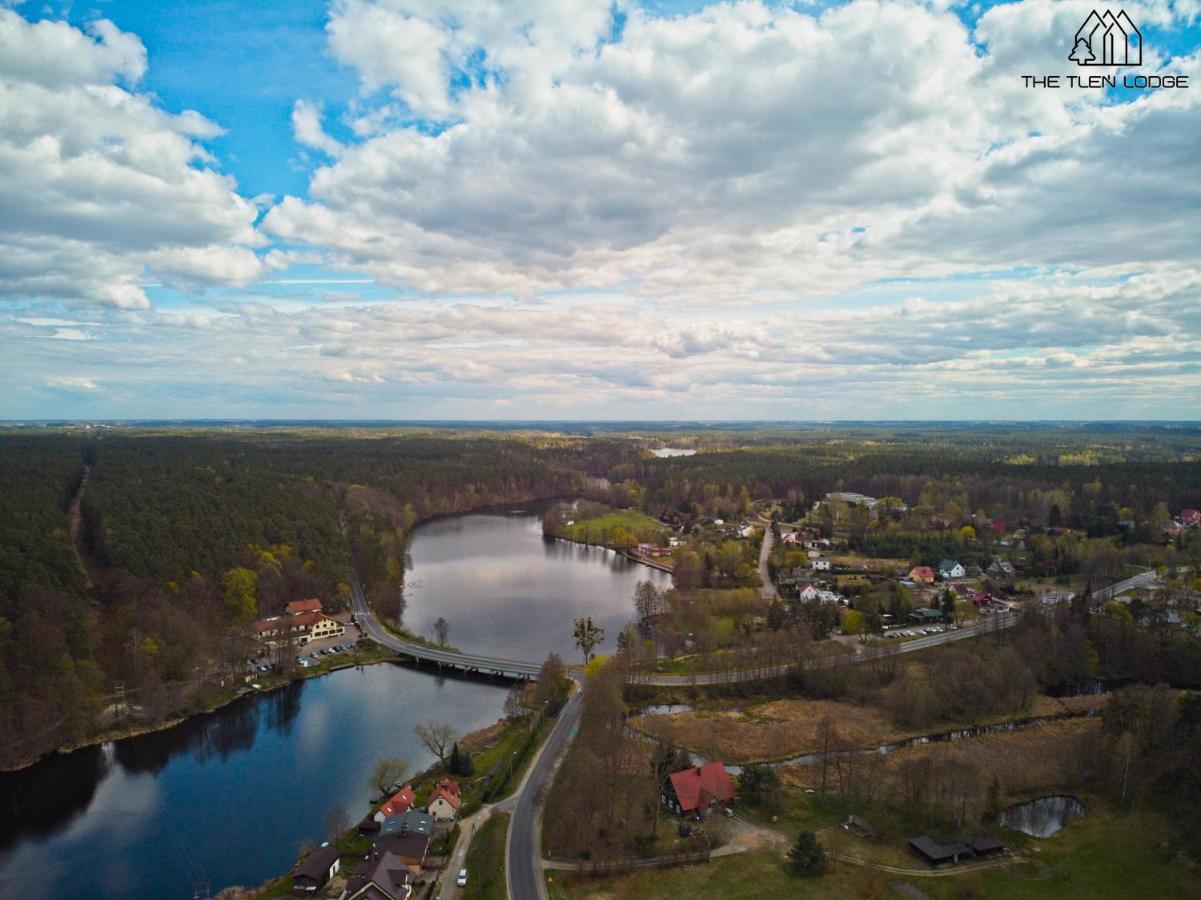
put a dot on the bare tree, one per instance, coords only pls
(437, 738)
(336, 821)
(387, 772)
(441, 630)
(514, 702)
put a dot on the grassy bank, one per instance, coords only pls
(486, 861)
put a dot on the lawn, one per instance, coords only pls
(598, 528)
(1102, 855)
(486, 861)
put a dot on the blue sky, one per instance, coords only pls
(575, 209)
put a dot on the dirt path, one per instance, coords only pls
(768, 590)
(75, 521)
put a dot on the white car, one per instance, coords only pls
(461, 881)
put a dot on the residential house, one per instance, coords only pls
(383, 876)
(830, 597)
(315, 870)
(397, 805)
(820, 565)
(1190, 518)
(807, 591)
(948, 569)
(407, 837)
(1001, 568)
(694, 791)
(445, 800)
(921, 575)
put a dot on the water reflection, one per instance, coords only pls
(221, 799)
(1043, 817)
(508, 590)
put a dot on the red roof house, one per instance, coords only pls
(398, 804)
(296, 607)
(1190, 518)
(697, 788)
(921, 575)
(444, 800)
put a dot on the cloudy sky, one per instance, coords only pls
(566, 209)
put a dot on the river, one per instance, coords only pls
(229, 797)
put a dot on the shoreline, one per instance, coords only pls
(129, 731)
(650, 564)
(132, 731)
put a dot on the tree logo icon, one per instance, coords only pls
(1107, 40)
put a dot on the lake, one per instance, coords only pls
(508, 591)
(229, 797)
(224, 798)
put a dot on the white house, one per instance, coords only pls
(807, 591)
(821, 565)
(444, 801)
(948, 569)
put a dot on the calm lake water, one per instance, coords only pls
(508, 591)
(225, 798)
(228, 798)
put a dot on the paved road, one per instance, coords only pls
(524, 842)
(524, 845)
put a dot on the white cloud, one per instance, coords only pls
(306, 125)
(737, 153)
(72, 383)
(100, 188)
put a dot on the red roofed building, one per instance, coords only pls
(445, 800)
(398, 804)
(921, 575)
(695, 790)
(300, 606)
(1190, 518)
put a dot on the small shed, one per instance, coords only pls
(861, 827)
(987, 846)
(314, 871)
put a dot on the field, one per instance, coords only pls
(784, 728)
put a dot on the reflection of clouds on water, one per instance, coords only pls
(118, 817)
(1043, 817)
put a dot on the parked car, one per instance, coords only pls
(461, 881)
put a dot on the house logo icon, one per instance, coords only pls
(1107, 40)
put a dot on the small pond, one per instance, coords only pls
(1043, 817)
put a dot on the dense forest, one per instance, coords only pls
(182, 536)
(185, 536)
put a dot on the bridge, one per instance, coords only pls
(438, 657)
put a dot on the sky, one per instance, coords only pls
(565, 209)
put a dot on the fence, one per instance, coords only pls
(614, 866)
